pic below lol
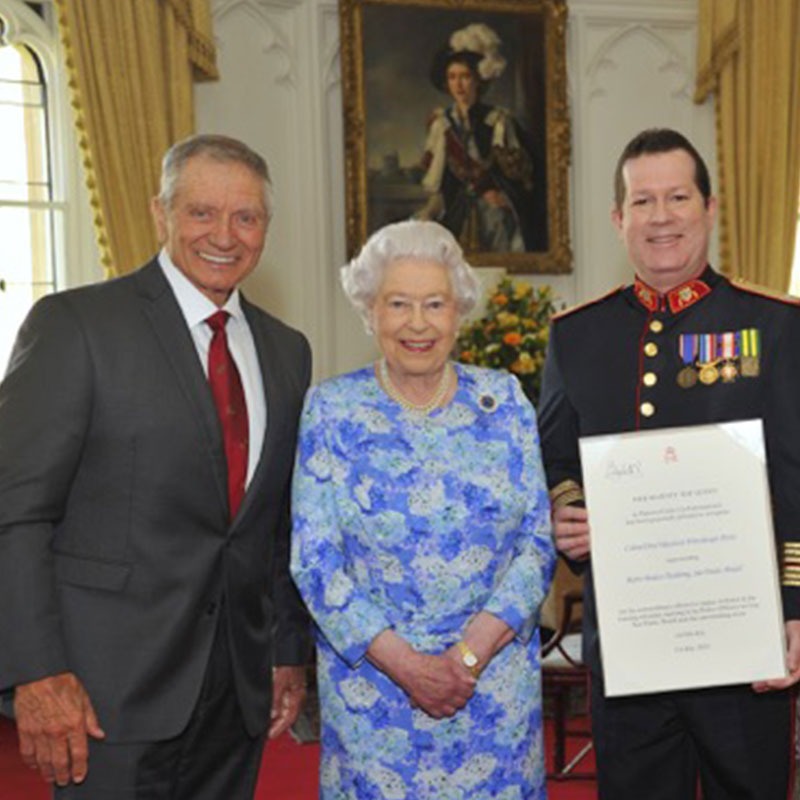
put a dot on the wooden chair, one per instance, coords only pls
(563, 670)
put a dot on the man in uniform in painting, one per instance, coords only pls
(681, 345)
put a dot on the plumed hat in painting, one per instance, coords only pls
(477, 46)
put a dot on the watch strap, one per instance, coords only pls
(468, 658)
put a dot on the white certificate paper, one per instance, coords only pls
(683, 556)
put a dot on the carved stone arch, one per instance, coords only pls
(673, 60)
(274, 39)
(331, 57)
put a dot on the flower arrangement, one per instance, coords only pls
(512, 334)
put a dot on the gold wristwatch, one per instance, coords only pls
(469, 659)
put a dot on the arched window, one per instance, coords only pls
(27, 211)
(46, 236)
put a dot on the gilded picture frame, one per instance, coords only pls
(498, 178)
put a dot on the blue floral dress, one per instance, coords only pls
(416, 523)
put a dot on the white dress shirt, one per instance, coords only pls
(197, 308)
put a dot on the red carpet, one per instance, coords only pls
(289, 772)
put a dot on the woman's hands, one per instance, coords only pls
(440, 685)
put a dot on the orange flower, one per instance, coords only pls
(500, 299)
(512, 338)
(466, 357)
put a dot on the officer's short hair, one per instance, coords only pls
(660, 140)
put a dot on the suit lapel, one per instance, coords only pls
(268, 359)
(169, 326)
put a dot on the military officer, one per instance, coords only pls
(681, 345)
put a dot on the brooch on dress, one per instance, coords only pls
(488, 403)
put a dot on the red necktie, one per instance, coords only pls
(226, 386)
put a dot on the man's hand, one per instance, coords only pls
(54, 717)
(792, 661)
(288, 695)
(571, 529)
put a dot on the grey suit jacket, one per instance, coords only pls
(116, 549)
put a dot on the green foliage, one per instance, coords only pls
(513, 333)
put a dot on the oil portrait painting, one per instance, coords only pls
(456, 112)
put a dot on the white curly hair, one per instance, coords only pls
(412, 239)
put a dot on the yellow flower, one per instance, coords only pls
(513, 332)
(507, 320)
(524, 365)
(522, 290)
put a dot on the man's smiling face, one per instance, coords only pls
(664, 221)
(216, 225)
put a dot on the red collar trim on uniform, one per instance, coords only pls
(678, 299)
(645, 295)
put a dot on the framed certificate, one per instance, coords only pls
(683, 556)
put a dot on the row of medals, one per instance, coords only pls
(708, 372)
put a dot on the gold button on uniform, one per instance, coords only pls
(651, 349)
(647, 409)
(650, 379)
(656, 326)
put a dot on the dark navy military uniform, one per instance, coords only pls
(616, 365)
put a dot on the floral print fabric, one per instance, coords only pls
(417, 523)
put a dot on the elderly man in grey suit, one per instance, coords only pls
(150, 633)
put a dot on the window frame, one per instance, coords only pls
(76, 259)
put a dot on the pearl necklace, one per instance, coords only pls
(417, 408)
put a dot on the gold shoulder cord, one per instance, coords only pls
(790, 572)
(566, 493)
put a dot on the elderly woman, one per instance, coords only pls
(422, 545)
(478, 162)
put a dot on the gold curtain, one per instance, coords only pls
(131, 64)
(749, 58)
